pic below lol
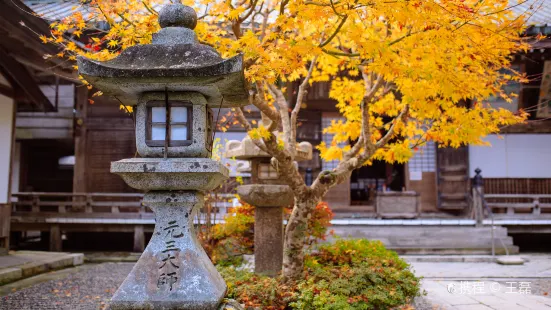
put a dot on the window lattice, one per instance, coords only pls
(424, 159)
(328, 139)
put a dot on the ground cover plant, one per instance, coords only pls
(346, 274)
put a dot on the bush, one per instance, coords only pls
(347, 274)
(355, 274)
(256, 291)
(226, 243)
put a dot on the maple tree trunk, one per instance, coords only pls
(295, 236)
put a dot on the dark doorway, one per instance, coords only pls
(41, 170)
(379, 176)
(536, 242)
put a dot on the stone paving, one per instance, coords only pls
(24, 264)
(473, 286)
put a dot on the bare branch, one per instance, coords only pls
(330, 38)
(371, 90)
(241, 117)
(390, 133)
(354, 150)
(361, 151)
(251, 8)
(287, 169)
(282, 6)
(264, 107)
(340, 53)
(283, 113)
(300, 97)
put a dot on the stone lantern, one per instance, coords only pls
(174, 81)
(269, 194)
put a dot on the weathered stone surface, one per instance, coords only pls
(510, 260)
(174, 272)
(175, 61)
(147, 174)
(397, 204)
(9, 274)
(246, 150)
(244, 166)
(263, 195)
(177, 15)
(268, 240)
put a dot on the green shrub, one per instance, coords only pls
(256, 291)
(347, 274)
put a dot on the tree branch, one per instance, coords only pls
(390, 133)
(353, 159)
(264, 107)
(283, 113)
(335, 32)
(340, 53)
(251, 10)
(300, 97)
(371, 90)
(243, 120)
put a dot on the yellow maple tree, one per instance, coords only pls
(401, 73)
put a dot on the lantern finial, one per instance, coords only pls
(177, 15)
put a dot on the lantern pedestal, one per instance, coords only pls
(174, 272)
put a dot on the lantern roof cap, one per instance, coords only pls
(247, 150)
(174, 61)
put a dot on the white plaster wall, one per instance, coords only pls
(6, 137)
(513, 156)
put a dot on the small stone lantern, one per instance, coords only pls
(269, 194)
(174, 81)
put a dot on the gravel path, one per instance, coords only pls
(87, 289)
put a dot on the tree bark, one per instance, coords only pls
(295, 235)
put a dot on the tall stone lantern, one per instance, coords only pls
(174, 81)
(269, 194)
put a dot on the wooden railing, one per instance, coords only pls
(107, 205)
(96, 212)
(515, 204)
(95, 205)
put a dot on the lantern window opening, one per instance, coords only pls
(267, 172)
(177, 130)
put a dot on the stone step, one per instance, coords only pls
(453, 251)
(453, 242)
(420, 231)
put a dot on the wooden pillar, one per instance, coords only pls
(139, 239)
(5, 212)
(55, 238)
(79, 174)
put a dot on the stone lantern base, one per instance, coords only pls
(174, 272)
